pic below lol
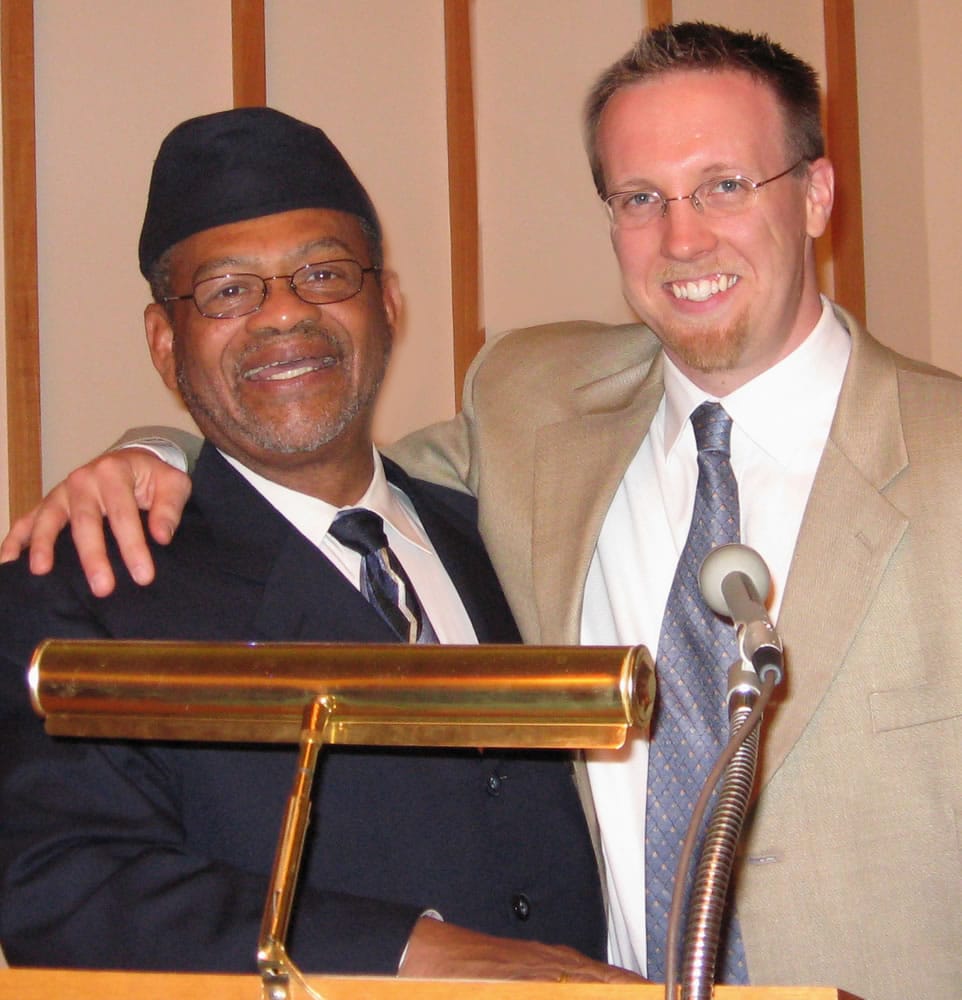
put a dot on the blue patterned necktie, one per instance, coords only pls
(384, 583)
(695, 650)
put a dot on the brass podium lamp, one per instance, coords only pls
(525, 697)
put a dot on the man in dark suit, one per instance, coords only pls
(273, 318)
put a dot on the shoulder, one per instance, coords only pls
(926, 396)
(899, 421)
(870, 355)
(527, 378)
(454, 506)
(55, 605)
(581, 349)
(884, 390)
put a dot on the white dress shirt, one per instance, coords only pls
(781, 421)
(405, 534)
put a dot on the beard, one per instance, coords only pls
(703, 344)
(706, 349)
(297, 436)
(303, 429)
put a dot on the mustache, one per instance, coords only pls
(308, 330)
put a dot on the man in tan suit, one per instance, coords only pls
(575, 439)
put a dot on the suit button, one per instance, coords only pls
(493, 785)
(521, 906)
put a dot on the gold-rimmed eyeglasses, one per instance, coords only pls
(716, 197)
(228, 296)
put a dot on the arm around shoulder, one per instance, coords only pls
(117, 486)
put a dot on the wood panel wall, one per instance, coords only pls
(20, 255)
(250, 88)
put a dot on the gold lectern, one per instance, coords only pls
(319, 693)
(312, 694)
(49, 984)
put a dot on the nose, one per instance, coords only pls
(282, 307)
(686, 233)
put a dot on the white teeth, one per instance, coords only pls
(704, 288)
(288, 373)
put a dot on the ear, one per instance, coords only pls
(160, 343)
(820, 196)
(391, 297)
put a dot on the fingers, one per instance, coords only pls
(565, 965)
(444, 951)
(18, 538)
(116, 486)
(164, 497)
(39, 530)
(104, 488)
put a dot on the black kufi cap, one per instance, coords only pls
(242, 164)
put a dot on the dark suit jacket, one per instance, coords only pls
(156, 856)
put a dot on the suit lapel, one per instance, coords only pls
(307, 598)
(578, 466)
(304, 596)
(838, 561)
(453, 533)
(847, 538)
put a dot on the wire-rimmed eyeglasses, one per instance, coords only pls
(228, 296)
(716, 197)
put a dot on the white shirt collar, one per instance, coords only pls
(313, 516)
(783, 408)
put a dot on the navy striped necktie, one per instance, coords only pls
(384, 582)
(695, 650)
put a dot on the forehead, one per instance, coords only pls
(271, 241)
(703, 119)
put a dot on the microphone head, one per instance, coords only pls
(727, 559)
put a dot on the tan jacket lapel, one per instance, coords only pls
(579, 464)
(848, 535)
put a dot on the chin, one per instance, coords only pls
(707, 350)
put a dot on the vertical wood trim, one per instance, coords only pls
(462, 190)
(658, 12)
(842, 136)
(20, 255)
(249, 53)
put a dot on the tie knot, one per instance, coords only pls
(359, 529)
(712, 427)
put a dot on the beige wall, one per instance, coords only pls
(372, 75)
(114, 76)
(102, 108)
(892, 112)
(108, 87)
(940, 27)
(545, 248)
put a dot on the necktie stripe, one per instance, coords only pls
(384, 582)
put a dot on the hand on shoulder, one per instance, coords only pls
(117, 486)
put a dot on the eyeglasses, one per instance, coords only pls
(714, 198)
(228, 296)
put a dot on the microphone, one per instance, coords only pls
(731, 579)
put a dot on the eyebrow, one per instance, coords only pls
(231, 264)
(716, 169)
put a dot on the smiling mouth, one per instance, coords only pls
(702, 289)
(282, 371)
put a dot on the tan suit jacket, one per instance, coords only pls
(851, 873)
